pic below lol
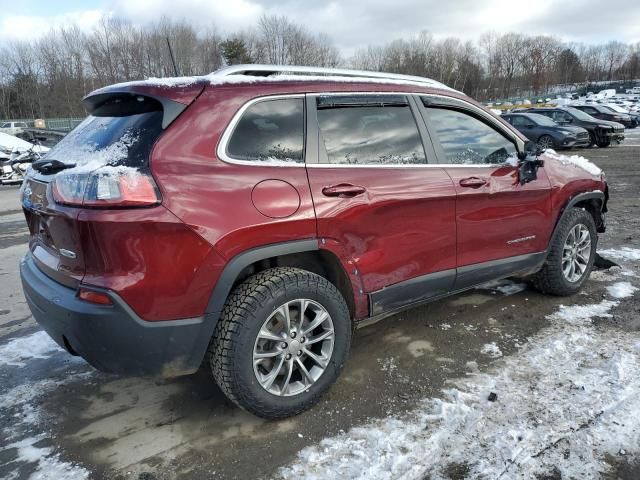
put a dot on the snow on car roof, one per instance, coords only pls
(216, 79)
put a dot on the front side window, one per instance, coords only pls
(467, 140)
(369, 130)
(519, 121)
(270, 131)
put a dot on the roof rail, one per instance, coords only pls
(268, 70)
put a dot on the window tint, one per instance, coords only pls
(561, 116)
(21, 124)
(5, 125)
(369, 130)
(270, 130)
(467, 140)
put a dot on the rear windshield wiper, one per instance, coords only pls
(47, 165)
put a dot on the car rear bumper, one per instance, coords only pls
(113, 338)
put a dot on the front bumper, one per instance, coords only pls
(572, 142)
(113, 338)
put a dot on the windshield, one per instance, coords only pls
(112, 139)
(615, 108)
(580, 115)
(542, 120)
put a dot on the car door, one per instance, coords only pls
(378, 199)
(502, 225)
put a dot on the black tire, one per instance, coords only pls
(604, 143)
(551, 278)
(545, 142)
(247, 308)
(592, 140)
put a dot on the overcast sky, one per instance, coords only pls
(351, 23)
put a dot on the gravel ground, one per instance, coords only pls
(61, 419)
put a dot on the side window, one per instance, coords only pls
(467, 140)
(559, 117)
(369, 130)
(21, 124)
(270, 130)
(519, 121)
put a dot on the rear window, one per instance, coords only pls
(270, 130)
(121, 132)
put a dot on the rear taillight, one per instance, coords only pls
(94, 297)
(106, 187)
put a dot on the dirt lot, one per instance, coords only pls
(61, 419)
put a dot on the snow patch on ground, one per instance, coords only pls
(624, 253)
(621, 290)
(574, 160)
(491, 349)
(22, 405)
(18, 350)
(565, 401)
(505, 286)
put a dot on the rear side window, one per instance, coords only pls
(120, 132)
(270, 130)
(467, 140)
(369, 130)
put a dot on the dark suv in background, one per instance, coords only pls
(603, 113)
(250, 222)
(547, 133)
(601, 132)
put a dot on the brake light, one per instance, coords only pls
(106, 187)
(94, 297)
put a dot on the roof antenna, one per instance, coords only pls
(173, 60)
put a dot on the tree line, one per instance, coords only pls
(46, 77)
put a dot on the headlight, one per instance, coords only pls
(605, 127)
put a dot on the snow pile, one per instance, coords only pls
(492, 350)
(624, 253)
(18, 350)
(575, 160)
(621, 290)
(567, 400)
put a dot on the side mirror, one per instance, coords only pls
(529, 162)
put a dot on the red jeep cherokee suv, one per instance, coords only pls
(250, 218)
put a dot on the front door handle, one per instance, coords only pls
(343, 190)
(473, 182)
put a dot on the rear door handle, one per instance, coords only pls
(343, 190)
(473, 182)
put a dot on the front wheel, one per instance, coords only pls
(545, 142)
(571, 255)
(604, 143)
(281, 342)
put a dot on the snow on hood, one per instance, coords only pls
(11, 143)
(574, 160)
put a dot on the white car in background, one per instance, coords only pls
(12, 128)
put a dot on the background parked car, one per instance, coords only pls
(601, 132)
(602, 113)
(547, 133)
(635, 116)
(12, 128)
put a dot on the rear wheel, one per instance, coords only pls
(571, 255)
(545, 142)
(281, 342)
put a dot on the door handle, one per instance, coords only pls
(472, 182)
(343, 190)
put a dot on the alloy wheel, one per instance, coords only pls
(293, 347)
(576, 253)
